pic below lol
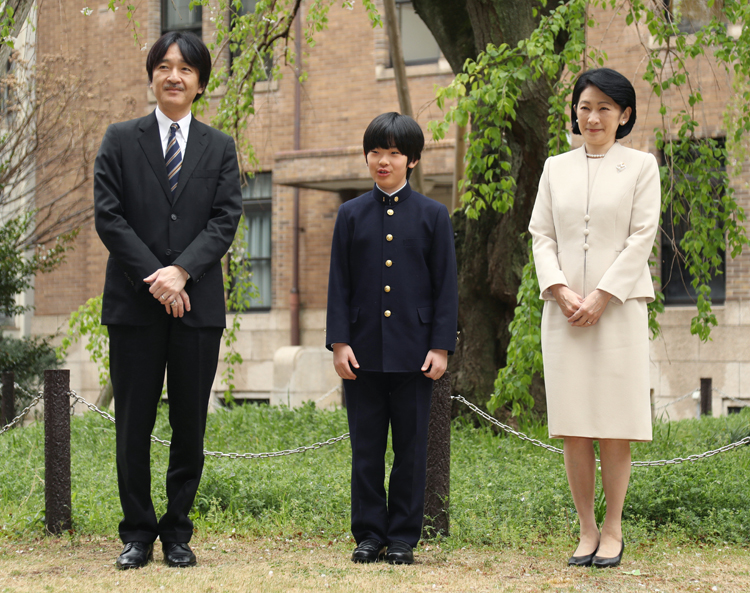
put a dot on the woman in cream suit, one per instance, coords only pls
(593, 227)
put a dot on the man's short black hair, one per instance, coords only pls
(614, 85)
(193, 50)
(395, 130)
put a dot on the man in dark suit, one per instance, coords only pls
(392, 317)
(167, 203)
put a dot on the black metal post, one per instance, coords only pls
(8, 408)
(57, 451)
(706, 396)
(438, 486)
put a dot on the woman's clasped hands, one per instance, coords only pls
(581, 312)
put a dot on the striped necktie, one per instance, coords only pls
(173, 158)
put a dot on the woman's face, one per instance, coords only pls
(599, 117)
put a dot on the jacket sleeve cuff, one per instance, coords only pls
(545, 292)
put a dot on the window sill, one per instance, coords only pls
(267, 86)
(440, 67)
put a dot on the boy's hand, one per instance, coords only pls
(438, 360)
(343, 355)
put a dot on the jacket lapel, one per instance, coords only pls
(196, 146)
(151, 145)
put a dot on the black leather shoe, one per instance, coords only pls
(369, 550)
(399, 553)
(135, 555)
(179, 555)
(600, 562)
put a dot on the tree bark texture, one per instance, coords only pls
(492, 251)
(20, 12)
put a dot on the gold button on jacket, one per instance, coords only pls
(388, 263)
(389, 237)
(389, 212)
(387, 288)
(387, 313)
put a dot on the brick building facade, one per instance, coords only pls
(349, 81)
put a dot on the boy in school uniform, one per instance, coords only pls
(391, 323)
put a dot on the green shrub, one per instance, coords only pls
(503, 491)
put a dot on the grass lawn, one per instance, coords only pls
(282, 524)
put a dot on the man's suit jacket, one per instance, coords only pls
(145, 228)
(392, 315)
(602, 240)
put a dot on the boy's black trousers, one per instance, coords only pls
(374, 401)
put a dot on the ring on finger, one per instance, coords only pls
(173, 303)
(588, 322)
(163, 297)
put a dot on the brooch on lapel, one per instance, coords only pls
(621, 167)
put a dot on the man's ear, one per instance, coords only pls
(413, 164)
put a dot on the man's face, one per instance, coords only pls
(175, 84)
(388, 167)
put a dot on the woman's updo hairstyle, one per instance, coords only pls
(614, 85)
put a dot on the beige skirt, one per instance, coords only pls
(597, 378)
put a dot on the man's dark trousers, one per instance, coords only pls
(373, 401)
(138, 357)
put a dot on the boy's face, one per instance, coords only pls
(388, 167)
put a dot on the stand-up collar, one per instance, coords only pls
(398, 197)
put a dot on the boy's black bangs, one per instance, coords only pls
(381, 137)
(391, 130)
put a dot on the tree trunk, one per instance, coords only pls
(20, 12)
(402, 84)
(491, 251)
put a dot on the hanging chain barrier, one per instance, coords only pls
(325, 395)
(18, 419)
(266, 455)
(679, 399)
(505, 427)
(219, 454)
(744, 402)
(538, 443)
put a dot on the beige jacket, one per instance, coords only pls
(602, 240)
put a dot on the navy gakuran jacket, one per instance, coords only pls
(392, 289)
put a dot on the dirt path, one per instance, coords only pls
(271, 565)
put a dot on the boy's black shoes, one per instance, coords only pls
(369, 550)
(179, 555)
(399, 553)
(135, 555)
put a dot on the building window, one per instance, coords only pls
(690, 16)
(417, 41)
(248, 7)
(676, 279)
(256, 206)
(176, 15)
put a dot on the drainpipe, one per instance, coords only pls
(294, 292)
